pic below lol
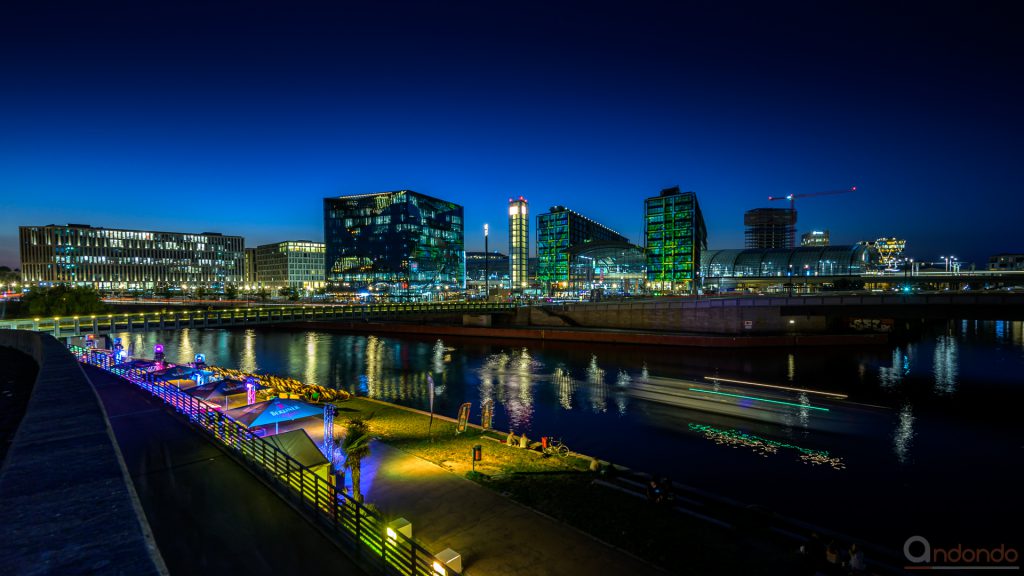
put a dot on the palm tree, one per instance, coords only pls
(356, 446)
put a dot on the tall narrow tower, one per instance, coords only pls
(518, 242)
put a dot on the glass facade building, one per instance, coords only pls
(613, 267)
(114, 259)
(558, 230)
(674, 237)
(518, 242)
(402, 244)
(779, 262)
(295, 264)
(495, 263)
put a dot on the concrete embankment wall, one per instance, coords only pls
(673, 316)
(606, 337)
(67, 505)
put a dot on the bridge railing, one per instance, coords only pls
(212, 318)
(362, 530)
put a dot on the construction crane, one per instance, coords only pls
(792, 197)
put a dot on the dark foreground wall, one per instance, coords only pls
(67, 505)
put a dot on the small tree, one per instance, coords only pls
(231, 292)
(356, 446)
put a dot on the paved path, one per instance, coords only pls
(496, 536)
(209, 515)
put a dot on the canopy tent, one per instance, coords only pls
(144, 365)
(175, 373)
(222, 393)
(274, 412)
(183, 372)
(181, 384)
(298, 445)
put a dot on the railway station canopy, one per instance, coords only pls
(779, 262)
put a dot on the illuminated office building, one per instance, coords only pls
(399, 245)
(815, 238)
(250, 266)
(518, 243)
(114, 259)
(295, 264)
(558, 230)
(675, 237)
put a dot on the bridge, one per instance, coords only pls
(247, 317)
(749, 315)
(775, 314)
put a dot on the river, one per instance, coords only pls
(927, 440)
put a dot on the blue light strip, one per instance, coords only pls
(760, 399)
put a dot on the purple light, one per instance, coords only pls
(158, 349)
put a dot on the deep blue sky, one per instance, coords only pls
(241, 117)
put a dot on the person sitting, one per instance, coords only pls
(858, 565)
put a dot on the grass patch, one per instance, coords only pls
(564, 489)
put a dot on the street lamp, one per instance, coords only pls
(487, 267)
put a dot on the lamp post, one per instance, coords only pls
(487, 267)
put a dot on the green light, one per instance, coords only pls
(760, 399)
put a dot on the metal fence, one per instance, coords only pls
(226, 317)
(360, 530)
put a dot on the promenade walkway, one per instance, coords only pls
(496, 536)
(208, 514)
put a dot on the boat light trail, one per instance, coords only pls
(790, 388)
(760, 399)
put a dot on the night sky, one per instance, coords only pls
(241, 117)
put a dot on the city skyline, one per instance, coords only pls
(188, 119)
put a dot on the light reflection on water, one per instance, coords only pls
(904, 435)
(945, 365)
(933, 393)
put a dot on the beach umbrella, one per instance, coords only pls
(175, 373)
(274, 412)
(218, 392)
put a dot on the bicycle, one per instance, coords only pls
(557, 447)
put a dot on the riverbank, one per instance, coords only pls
(602, 335)
(566, 490)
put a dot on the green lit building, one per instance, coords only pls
(399, 245)
(674, 236)
(558, 230)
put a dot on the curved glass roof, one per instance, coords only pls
(803, 261)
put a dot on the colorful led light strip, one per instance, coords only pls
(831, 394)
(760, 399)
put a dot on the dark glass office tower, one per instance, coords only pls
(674, 236)
(557, 231)
(399, 245)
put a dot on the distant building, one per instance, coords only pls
(558, 230)
(297, 264)
(250, 266)
(889, 251)
(815, 238)
(1006, 262)
(674, 237)
(608, 267)
(400, 245)
(518, 243)
(769, 228)
(116, 259)
(497, 265)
